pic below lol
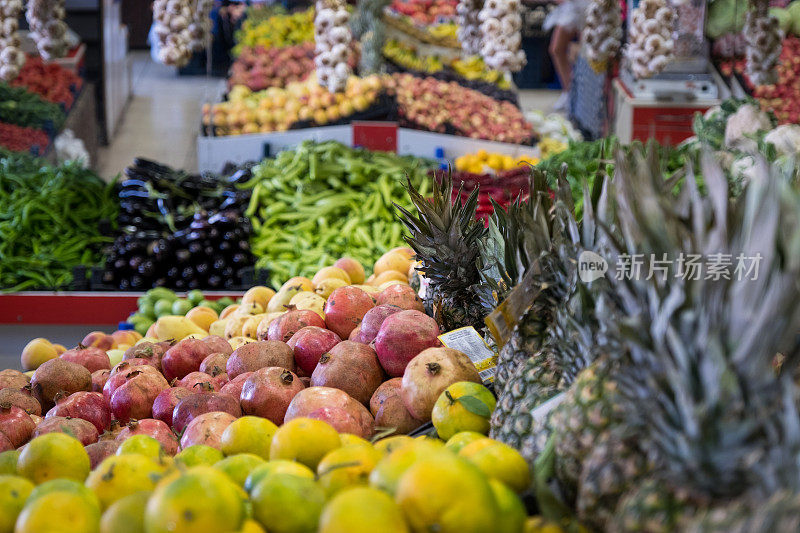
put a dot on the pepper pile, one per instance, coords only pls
(50, 221)
(51, 81)
(19, 139)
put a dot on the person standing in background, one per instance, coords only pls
(566, 20)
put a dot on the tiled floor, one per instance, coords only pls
(163, 116)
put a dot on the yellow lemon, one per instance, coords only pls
(304, 440)
(511, 511)
(362, 510)
(199, 454)
(288, 504)
(388, 471)
(499, 461)
(122, 475)
(58, 511)
(345, 467)
(14, 492)
(463, 406)
(389, 444)
(125, 515)
(52, 456)
(458, 441)
(249, 434)
(278, 466)
(238, 467)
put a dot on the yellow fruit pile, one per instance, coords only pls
(473, 68)
(550, 146)
(300, 477)
(276, 31)
(482, 162)
(276, 109)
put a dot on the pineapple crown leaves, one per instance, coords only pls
(701, 385)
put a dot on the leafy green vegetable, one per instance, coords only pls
(23, 108)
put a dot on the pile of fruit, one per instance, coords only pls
(160, 301)
(25, 140)
(276, 30)
(328, 200)
(260, 68)
(179, 230)
(483, 162)
(52, 220)
(425, 12)
(300, 104)
(783, 98)
(51, 81)
(434, 105)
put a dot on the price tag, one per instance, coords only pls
(469, 341)
(540, 413)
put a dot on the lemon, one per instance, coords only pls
(346, 467)
(388, 471)
(8, 462)
(499, 461)
(278, 466)
(199, 501)
(389, 444)
(447, 494)
(304, 440)
(142, 445)
(288, 504)
(58, 511)
(14, 491)
(199, 454)
(362, 510)
(511, 516)
(248, 434)
(52, 456)
(461, 439)
(463, 406)
(65, 485)
(537, 524)
(125, 515)
(251, 526)
(238, 467)
(122, 475)
(349, 439)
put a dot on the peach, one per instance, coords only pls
(36, 352)
(330, 272)
(202, 316)
(353, 269)
(259, 294)
(98, 339)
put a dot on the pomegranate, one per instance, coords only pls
(83, 430)
(311, 399)
(218, 345)
(401, 337)
(402, 296)
(289, 323)
(16, 425)
(121, 377)
(89, 406)
(152, 352)
(91, 358)
(233, 388)
(165, 403)
(345, 308)
(129, 364)
(152, 428)
(184, 357)
(135, 397)
(260, 354)
(99, 378)
(340, 419)
(309, 343)
(352, 367)
(58, 375)
(373, 320)
(387, 406)
(198, 381)
(98, 451)
(22, 399)
(197, 404)
(13, 379)
(429, 374)
(214, 364)
(268, 392)
(355, 335)
(207, 429)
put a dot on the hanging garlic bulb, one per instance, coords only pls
(200, 27)
(469, 26)
(172, 18)
(333, 41)
(650, 45)
(763, 35)
(11, 57)
(48, 30)
(602, 34)
(501, 25)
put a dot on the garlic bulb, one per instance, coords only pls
(11, 57)
(200, 26)
(763, 35)
(501, 25)
(333, 43)
(650, 45)
(48, 30)
(602, 34)
(469, 31)
(172, 19)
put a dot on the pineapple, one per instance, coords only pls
(779, 513)
(445, 236)
(696, 380)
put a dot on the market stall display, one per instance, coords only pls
(171, 26)
(50, 81)
(11, 56)
(48, 30)
(270, 28)
(332, 38)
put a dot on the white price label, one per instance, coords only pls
(469, 341)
